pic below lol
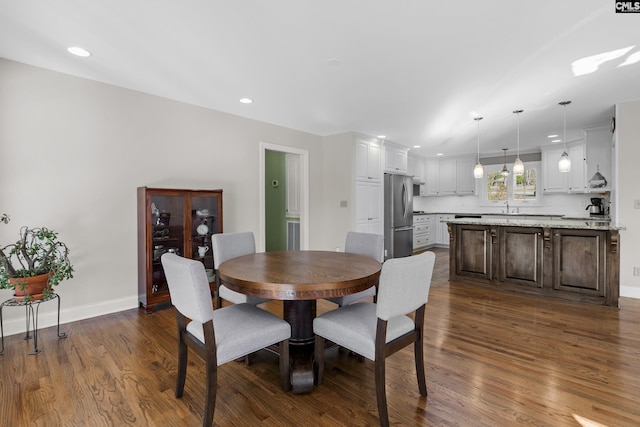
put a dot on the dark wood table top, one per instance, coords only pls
(299, 275)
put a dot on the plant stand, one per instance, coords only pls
(31, 318)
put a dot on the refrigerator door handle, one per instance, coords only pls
(408, 227)
(405, 199)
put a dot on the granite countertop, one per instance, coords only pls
(488, 214)
(585, 224)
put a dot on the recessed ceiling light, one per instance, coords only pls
(556, 140)
(439, 154)
(246, 100)
(382, 136)
(416, 146)
(553, 136)
(78, 51)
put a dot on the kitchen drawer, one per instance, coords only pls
(420, 219)
(420, 229)
(420, 242)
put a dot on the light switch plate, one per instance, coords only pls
(636, 204)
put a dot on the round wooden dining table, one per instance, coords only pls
(299, 278)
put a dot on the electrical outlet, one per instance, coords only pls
(636, 204)
(636, 271)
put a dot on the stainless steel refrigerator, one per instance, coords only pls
(398, 215)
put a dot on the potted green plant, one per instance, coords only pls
(38, 258)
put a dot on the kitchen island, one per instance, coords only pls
(576, 260)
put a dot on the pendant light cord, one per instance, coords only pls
(518, 126)
(564, 120)
(477, 119)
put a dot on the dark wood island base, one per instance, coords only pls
(571, 260)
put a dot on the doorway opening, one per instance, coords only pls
(284, 198)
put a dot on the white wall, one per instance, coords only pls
(339, 185)
(73, 151)
(628, 143)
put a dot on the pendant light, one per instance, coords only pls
(518, 166)
(478, 170)
(505, 172)
(564, 164)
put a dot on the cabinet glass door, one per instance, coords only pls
(167, 234)
(204, 222)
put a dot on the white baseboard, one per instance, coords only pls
(17, 325)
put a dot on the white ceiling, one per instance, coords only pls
(413, 70)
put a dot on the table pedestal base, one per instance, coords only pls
(300, 315)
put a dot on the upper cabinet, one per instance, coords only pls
(395, 158)
(433, 177)
(368, 161)
(554, 181)
(417, 166)
(465, 181)
(577, 179)
(599, 157)
(450, 176)
(368, 186)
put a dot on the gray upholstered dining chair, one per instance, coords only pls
(218, 336)
(227, 246)
(378, 330)
(367, 244)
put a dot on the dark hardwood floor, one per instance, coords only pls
(492, 358)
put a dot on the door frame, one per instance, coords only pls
(304, 192)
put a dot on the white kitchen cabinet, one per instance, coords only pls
(368, 207)
(465, 181)
(555, 181)
(395, 158)
(421, 231)
(292, 175)
(417, 167)
(368, 160)
(442, 229)
(598, 142)
(450, 176)
(433, 177)
(433, 236)
(577, 179)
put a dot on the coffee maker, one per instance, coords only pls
(597, 206)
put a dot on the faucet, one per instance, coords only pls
(507, 203)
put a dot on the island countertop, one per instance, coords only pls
(584, 224)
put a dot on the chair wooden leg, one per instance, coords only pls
(381, 393)
(182, 367)
(285, 367)
(419, 356)
(211, 391)
(318, 360)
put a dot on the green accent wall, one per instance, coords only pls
(275, 201)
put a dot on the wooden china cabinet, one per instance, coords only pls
(178, 221)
